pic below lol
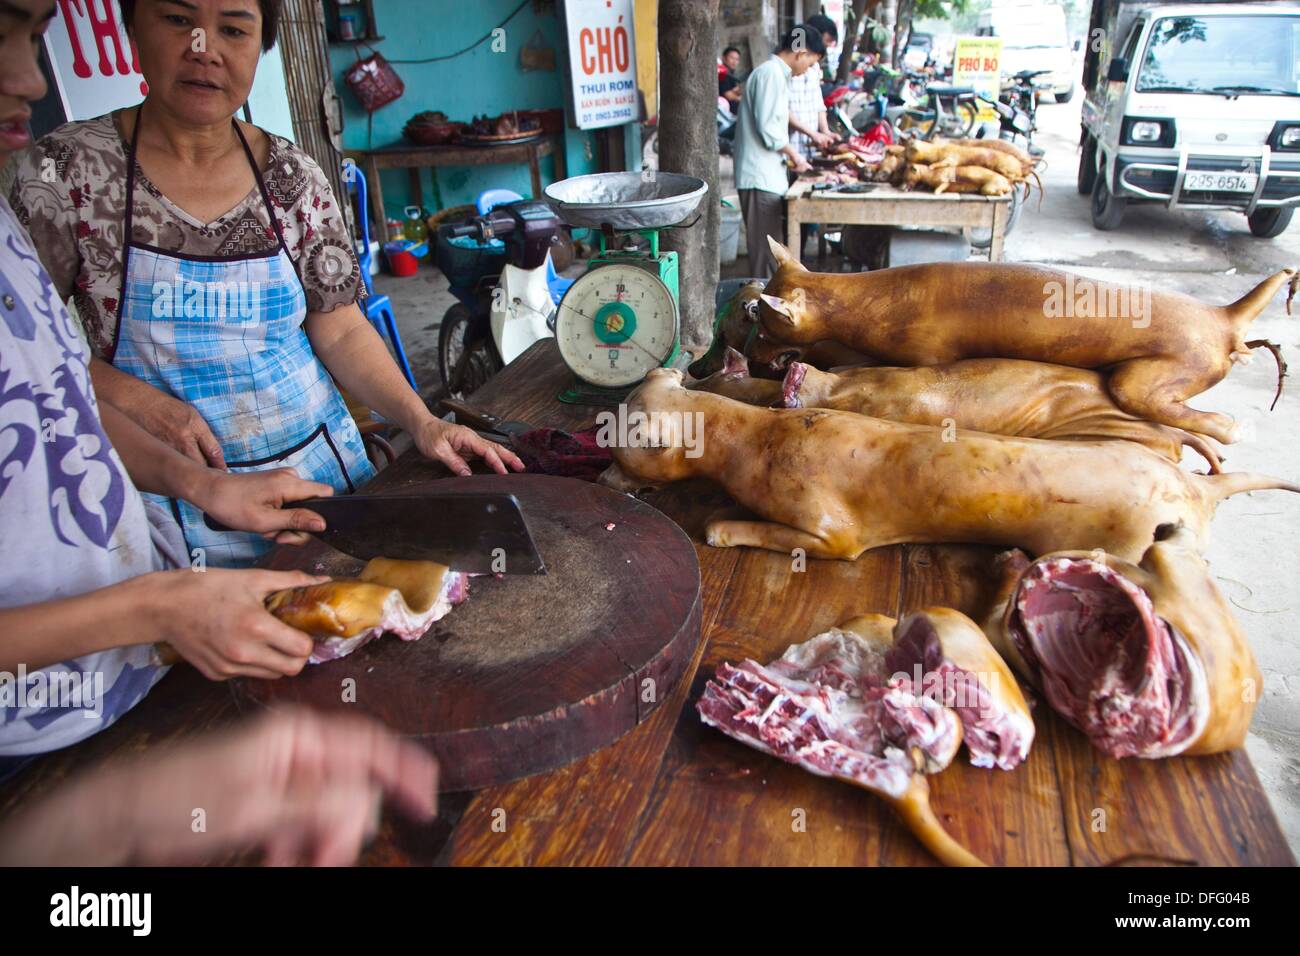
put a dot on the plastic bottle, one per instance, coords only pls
(415, 228)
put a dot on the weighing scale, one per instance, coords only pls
(622, 317)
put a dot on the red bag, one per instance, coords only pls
(374, 81)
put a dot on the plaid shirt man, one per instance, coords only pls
(805, 104)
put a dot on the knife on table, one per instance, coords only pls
(474, 532)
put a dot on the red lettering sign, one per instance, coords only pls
(104, 29)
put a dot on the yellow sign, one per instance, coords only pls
(977, 63)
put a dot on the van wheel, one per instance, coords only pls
(1107, 208)
(1087, 165)
(1066, 96)
(1270, 223)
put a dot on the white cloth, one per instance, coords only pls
(71, 520)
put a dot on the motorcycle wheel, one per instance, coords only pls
(983, 238)
(959, 123)
(466, 358)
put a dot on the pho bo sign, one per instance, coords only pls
(602, 62)
(94, 62)
(977, 63)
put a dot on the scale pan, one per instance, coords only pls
(626, 200)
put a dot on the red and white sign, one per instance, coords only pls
(602, 62)
(94, 61)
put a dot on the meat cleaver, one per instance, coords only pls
(475, 532)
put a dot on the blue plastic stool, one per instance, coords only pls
(378, 308)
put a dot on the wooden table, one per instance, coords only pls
(887, 205)
(673, 791)
(415, 158)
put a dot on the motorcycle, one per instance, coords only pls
(1017, 109)
(498, 264)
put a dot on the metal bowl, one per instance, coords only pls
(647, 200)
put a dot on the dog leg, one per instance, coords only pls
(768, 535)
(1155, 389)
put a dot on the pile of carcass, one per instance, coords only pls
(989, 167)
(969, 413)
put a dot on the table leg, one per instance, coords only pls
(792, 225)
(999, 230)
(417, 187)
(557, 157)
(378, 218)
(535, 171)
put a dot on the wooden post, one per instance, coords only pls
(688, 143)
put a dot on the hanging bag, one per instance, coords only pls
(373, 81)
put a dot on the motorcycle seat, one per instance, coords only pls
(946, 89)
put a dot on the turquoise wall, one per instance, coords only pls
(480, 81)
(268, 103)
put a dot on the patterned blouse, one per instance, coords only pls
(69, 191)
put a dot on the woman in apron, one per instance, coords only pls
(219, 324)
(226, 335)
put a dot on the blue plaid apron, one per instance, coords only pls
(224, 333)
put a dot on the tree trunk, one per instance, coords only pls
(688, 143)
(902, 27)
(888, 17)
(851, 43)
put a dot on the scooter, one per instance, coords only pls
(498, 264)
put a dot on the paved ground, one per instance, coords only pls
(1254, 552)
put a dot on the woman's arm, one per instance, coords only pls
(359, 361)
(172, 421)
(37, 635)
(214, 618)
(246, 502)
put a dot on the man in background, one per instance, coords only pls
(730, 86)
(763, 146)
(808, 125)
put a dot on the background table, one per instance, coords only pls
(416, 158)
(887, 205)
(673, 791)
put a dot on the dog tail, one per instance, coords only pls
(1246, 309)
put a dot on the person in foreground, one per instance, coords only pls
(295, 786)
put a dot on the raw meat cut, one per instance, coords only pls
(827, 706)
(403, 597)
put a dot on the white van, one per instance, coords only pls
(1193, 105)
(1033, 38)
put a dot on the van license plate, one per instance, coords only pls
(1221, 182)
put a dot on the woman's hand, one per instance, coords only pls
(252, 502)
(178, 424)
(217, 620)
(447, 443)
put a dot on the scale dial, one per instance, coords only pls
(615, 324)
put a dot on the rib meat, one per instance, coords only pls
(826, 705)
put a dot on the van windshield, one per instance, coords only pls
(1222, 54)
(1029, 35)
